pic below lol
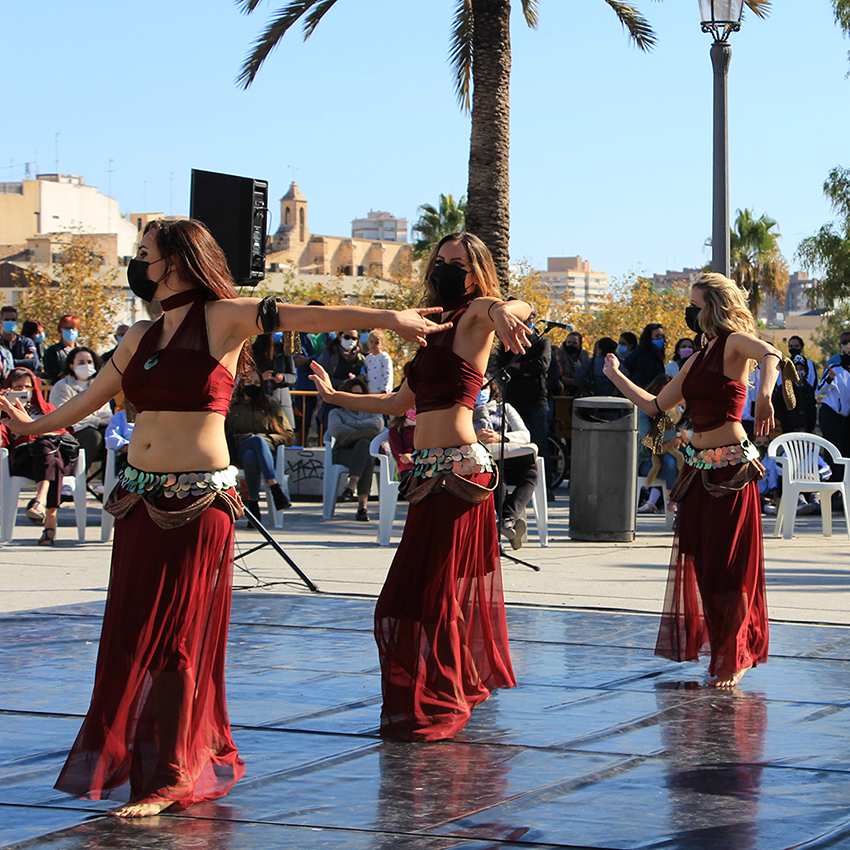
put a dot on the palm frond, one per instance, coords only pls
(312, 20)
(269, 39)
(760, 8)
(635, 24)
(460, 53)
(248, 6)
(529, 11)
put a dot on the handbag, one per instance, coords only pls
(67, 445)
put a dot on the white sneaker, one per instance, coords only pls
(648, 508)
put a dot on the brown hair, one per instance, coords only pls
(191, 251)
(480, 263)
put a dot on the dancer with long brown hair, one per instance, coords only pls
(716, 587)
(440, 619)
(158, 719)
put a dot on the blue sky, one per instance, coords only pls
(610, 152)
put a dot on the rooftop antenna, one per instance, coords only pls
(294, 169)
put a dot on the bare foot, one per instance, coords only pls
(144, 808)
(729, 681)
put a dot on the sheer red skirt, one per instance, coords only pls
(716, 596)
(158, 724)
(440, 619)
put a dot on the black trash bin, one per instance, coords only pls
(603, 469)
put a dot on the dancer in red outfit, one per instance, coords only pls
(158, 719)
(440, 620)
(716, 587)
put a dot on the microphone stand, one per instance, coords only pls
(502, 375)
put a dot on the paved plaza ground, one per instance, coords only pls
(602, 745)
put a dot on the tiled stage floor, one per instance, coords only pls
(602, 745)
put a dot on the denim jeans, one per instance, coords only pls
(254, 455)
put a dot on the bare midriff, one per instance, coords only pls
(729, 434)
(444, 428)
(178, 441)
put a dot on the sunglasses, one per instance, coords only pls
(349, 336)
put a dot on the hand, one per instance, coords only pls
(278, 377)
(413, 326)
(611, 366)
(301, 361)
(323, 383)
(764, 421)
(267, 375)
(512, 331)
(405, 457)
(487, 435)
(18, 420)
(671, 444)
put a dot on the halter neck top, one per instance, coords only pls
(183, 375)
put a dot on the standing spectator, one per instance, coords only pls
(527, 392)
(795, 349)
(835, 360)
(803, 416)
(590, 379)
(56, 354)
(34, 330)
(379, 365)
(647, 360)
(23, 349)
(683, 350)
(834, 396)
(81, 366)
(571, 357)
(626, 345)
(276, 370)
(312, 345)
(119, 335)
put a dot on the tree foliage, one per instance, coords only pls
(827, 253)
(436, 222)
(757, 263)
(835, 323)
(76, 285)
(841, 10)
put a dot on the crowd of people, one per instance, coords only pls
(185, 399)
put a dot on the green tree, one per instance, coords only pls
(841, 10)
(77, 285)
(757, 263)
(435, 223)
(835, 323)
(480, 56)
(827, 253)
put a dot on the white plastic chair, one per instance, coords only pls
(10, 490)
(330, 483)
(669, 516)
(800, 474)
(387, 488)
(107, 521)
(540, 505)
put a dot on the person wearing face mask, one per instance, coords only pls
(34, 330)
(795, 350)
(716, 592)
(157, 729)
(36, 458)
(647, 360)
(277, 371)
(255, 427)
(626, 344)
(119, 335)
(571, 358)
(55, 355)
(342, 360)
(23, 350)
(683, 350)
(833, 393)
(81, 366)
(440, 619)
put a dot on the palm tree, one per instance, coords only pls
(757, 263)
(480, 56)
(435, 223)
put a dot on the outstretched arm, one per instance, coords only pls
(391, 404)
(651, 405)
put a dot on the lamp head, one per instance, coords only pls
(721, 17)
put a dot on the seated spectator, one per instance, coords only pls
(683, 350)
(589, 378)
(255, 427)
(55, 355)
(353, 432)
(379, 365)
(342, 360)
(520, 464)
(118, 432)
(400, 438)
(23, 350)
(34, 330)
(81, 365)
(37, 458)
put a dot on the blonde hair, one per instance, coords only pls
(480, 263)
(381, 337)
(726, 310)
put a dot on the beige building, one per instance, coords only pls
(574, 275)
(676, 279)
(293, 247)
(380, 227)
(60, 203)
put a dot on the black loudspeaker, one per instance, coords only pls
(235, 210)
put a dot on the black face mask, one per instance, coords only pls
(794, 351)
(252, 391)
(691, 314)
(845, 361)
(449, 283)
(140, 284)
(571, 349)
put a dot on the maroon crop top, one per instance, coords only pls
(182, 376)
(439, 377)
(714, 398)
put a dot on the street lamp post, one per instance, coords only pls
(720, 18)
